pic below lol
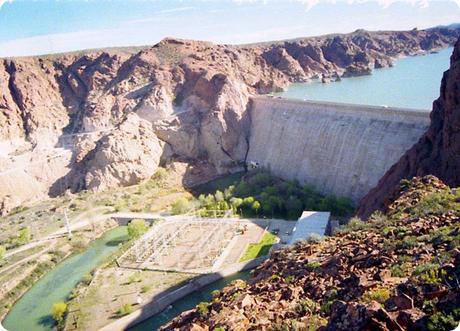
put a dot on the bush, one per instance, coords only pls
(146, 288)
(203, 308)
(2, 253)
(137, 228)
(181, 206)
(126, 309)
(24, 236)
(58, 312)
(379, 294)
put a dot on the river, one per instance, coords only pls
(32, 311)
(413, 82)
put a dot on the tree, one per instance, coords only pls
(181, 206)
(219, 196)
(24, 236)
(236, 203)
(256, 207)
(2, 253)
(58, 311)
(137, 228)
(294, 207)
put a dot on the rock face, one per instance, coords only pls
(125, 156)
(437, 152)
(193, 94)
(385, 274)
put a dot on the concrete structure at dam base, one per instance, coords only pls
(340, 149)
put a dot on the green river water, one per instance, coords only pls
(32, 311)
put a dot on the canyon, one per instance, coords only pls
(108, 118)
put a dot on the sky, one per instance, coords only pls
(31, 27)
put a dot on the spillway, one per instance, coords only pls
(340, 149)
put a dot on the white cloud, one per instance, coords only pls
(383, 3)
(2, 2)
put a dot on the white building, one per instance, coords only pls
(310, 223)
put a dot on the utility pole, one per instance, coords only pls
(67, 224)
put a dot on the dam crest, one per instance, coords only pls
(340, 149)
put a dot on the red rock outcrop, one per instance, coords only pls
(399, 271)
(437, 152)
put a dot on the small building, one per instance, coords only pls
(310, 223)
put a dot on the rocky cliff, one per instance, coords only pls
(437, 152)
(398, 271)
(183, 100)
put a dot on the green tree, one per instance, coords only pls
(294, 207)
(181, 206)
(58, 311)
(255, 207)
(24, 236)
(137, 228)
(219, 196)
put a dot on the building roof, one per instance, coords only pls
(310, 223)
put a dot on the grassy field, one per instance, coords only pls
(262, 248)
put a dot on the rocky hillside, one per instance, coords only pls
(117, 114)
(398, 271)
(437, 152)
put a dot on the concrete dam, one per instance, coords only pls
(340, 149)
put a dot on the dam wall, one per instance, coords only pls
(340, 149)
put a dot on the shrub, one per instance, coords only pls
(126, 309)
(87, 278)
(312, 265)
(181, 206)
(306, 306)
(58, 312)
(146, 288)
(137, 228)
(379, 294)
(444, 321)
(24, 236)
(203, 308)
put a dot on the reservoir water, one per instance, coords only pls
(32, 311)
(186, 303)
(413, 82)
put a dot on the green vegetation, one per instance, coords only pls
(306, 307)
(137, 228)
(126, 309)
(260, 194)
(444, 321)
(379, 294)
(23, 237)
(180, 206)
(58, 312)
(146, 288)
(260, 249)
(312, 265)
(2, 253)
(203, 308)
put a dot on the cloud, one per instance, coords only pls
(2, 2)
(383, 3)
(159, 14)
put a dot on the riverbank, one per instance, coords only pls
(57, 284)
